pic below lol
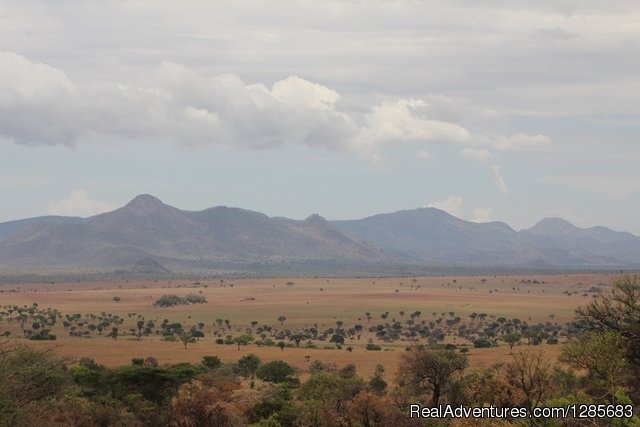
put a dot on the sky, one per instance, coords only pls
(500, 110)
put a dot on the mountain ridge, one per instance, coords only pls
(148, 229)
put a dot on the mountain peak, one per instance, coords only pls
(145, 198)
(315, 219)
(144, 203)
(553, 225)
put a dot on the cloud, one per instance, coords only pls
(452, 204)
(299, 92)
(505, 61)
(481, 215)
(477, 154)
(78, 204)
(455, 206)
(424, 155)
(499, 181)
(178, 104)
(33, 101)
(406, 120)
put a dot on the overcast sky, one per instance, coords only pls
(492, 110)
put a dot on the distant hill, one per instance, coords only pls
(147, 228)
(595, 243)
(14, 227)
(432, 235)
(147, 236)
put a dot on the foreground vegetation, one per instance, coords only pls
(601, 364)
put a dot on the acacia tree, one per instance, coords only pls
(602, 356)
(531, 373)
(242, 340)
(187, 338)
(430, 371)
(297, 338)
(618, 311)
(114, 333)
(370, 410)
(512, 339)
(249, 364)
(337, 338)
(276, 371)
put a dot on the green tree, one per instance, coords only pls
(430, 371)
(618, 311)
(276, 371)
(337, 338)
(512, 339)
(28, 375)
(114, 333)
(297, 338)
(186, 338)
(331, 392)
(211, 362)
(249, 364)
(377, 384)
(602, 356)
(242, 340)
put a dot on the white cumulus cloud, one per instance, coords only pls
(78, 204)
(407, 120)
(176, 103)
(481, 215)
(452, 204)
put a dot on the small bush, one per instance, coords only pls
(43, 336)
(171, 299)
(276, 371)
(211, 362)
(482, 343)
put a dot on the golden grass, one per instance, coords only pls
(308, 301)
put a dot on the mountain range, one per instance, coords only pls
(147, 231)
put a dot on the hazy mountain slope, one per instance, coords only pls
(431, 235)
(147, 228)
(9, 228)
(599, 242)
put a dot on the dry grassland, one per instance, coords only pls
(307, 301)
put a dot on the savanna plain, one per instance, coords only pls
(313, 310)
